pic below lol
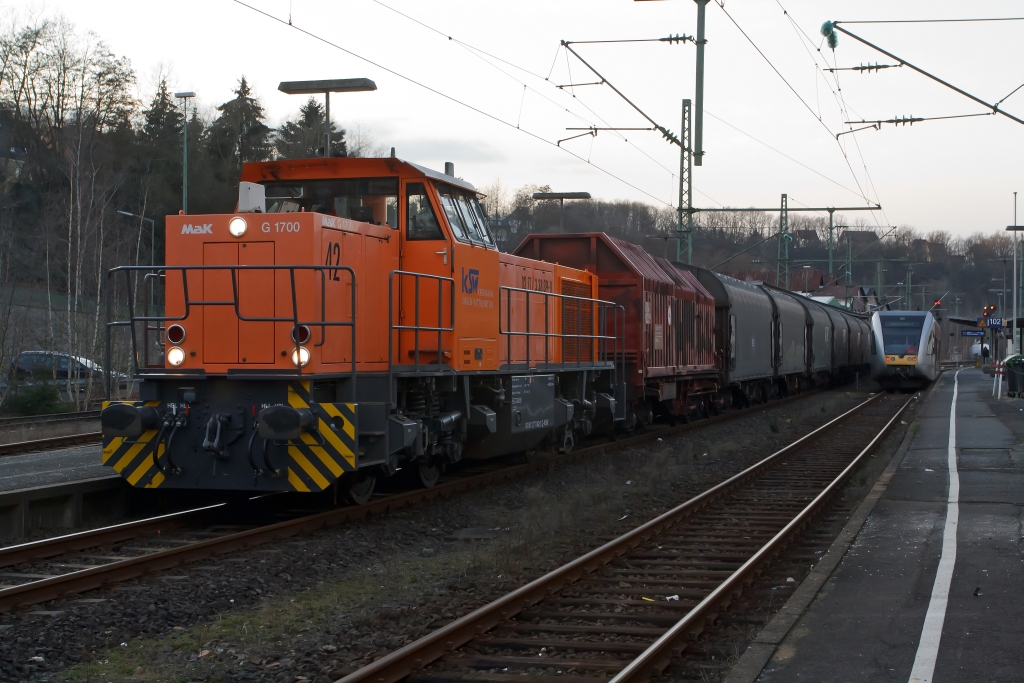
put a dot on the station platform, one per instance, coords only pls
(57, 466)
(881, 614)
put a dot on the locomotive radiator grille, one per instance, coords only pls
(577, 318)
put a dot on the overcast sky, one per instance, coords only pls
(956, 175)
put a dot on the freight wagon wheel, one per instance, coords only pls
(358, 488)
(429, 473)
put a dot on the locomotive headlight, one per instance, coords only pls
(175, 356)
(237, 226)
(300, 357)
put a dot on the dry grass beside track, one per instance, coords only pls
(354, 615)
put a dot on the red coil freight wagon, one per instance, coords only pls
(670, 320)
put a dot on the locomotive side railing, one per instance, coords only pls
(611, 345)
(397, 281)
(152, 322)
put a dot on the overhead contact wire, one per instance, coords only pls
(844, 109)
(473, 50)
(721, 5)
(477, 52)
(449, 98)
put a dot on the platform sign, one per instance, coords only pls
(972, 333)
(995, 323)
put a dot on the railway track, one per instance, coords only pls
(49, 569)
(9, 424)
(629, 608)
(49, 443)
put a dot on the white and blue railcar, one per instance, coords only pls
(905, 353)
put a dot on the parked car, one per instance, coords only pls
(34, 367)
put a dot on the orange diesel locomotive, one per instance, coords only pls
(351, 318)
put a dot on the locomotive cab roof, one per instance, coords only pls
(344, 167)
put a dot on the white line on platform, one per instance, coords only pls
(931, 634)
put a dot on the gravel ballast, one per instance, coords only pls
(316, 608)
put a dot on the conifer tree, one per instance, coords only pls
(163, 120)
(239, 135)
(303, 138)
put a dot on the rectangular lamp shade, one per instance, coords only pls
(331, 85)
(561, 195)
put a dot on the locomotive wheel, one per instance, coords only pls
(428, 473)
(359, 489)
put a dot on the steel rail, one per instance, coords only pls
(659, 654)
(52, 442)
(34, 551)
(401, 663)
(59, 586)
(54, 417)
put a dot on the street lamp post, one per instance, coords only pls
(152, 233)
(327, 87)
(666, 238)
(1015, 229)
(152, 243)
(184, 97)
(561, 197)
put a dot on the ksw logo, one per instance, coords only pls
(189, 229)
(470, 281)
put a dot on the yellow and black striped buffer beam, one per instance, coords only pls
(330, 451)
(133, 458)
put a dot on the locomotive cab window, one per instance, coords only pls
(368, 200)
(465, 216)
(421, 221)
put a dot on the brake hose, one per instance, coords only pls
(170, 439)
(156, 448)
(266, 460)
(252, 441)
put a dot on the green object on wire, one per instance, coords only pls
(830, 34)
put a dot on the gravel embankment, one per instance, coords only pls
(315, 608)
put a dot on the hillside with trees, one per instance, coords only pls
(78, 146)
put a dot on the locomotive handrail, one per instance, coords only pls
(416, 327)
(617, 336)
(161, 273)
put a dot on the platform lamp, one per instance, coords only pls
(666, 238)
(561, 197)
(327, 87)
(152, 245)
(1013, 319)
(184, 97)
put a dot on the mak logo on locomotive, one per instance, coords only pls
(204, 229)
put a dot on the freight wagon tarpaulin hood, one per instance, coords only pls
(631, 257)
